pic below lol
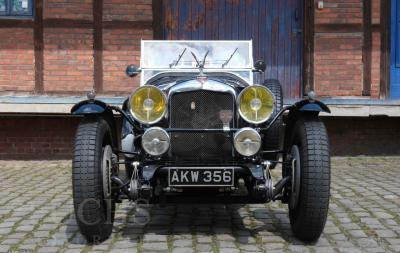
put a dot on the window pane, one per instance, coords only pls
(2, 6)
(21, 7)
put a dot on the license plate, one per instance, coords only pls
(200, 177)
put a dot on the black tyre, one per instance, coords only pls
(272, 138)
(310, 189)
(91, 171)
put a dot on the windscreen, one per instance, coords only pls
(186, 56)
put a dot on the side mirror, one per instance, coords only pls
(132, 70)
(260, 66)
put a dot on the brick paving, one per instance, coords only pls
(36, 216)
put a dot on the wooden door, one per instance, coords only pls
(274, 26)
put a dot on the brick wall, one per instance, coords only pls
(376, 50)
(122, 45)
(71, 9)
(68, 52)
(121, 48)
(340, 12)
(52, 137)
(339, 66)
(128, 10)
(36, 137)
(17, 69)
(376, 65)
(68, 60)
(364, 136)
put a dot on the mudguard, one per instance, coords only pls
(98, 108)
(311, 106)
(89, 107)
(303, 108)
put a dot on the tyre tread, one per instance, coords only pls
(86, 179)
(309, 218)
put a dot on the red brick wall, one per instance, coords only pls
(376, 64)
(17, 69)
(68, 52)
(376, 11)
(364, 136)
(68, 60)
(376, 50)
(52, 137)
(127, 10)
(71, 9)
(339, 12)
(36, 137)
(339, 66)
(122, 46)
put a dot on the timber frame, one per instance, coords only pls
(39, 23)
(310, 29)
(385, 50)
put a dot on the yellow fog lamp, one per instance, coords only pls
(148, 104)
(256, 104)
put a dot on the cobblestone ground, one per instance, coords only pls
(36, 215)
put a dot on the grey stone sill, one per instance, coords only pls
(346, 107)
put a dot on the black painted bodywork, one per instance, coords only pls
(153, 169)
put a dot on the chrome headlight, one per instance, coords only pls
(155, 141)
(148, 104)
(256, 104)
(247, 141)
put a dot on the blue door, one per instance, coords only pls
(395, 51)
(274, 26)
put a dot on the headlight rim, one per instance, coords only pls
(241, 130)
(240, 112)
(162, 130)
(159, 118)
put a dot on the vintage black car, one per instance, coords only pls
(199, 130)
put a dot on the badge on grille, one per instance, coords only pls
(193, 105)
(225, 116)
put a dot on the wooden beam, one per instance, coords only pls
(17, 23)
(75, 23)
(367, 47)
(338, 28)
(384, 87)
(67, 23)
(121, 24)
(98, 45)
(38, 46)
(157, 20)
(309, 32)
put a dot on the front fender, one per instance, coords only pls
(304, 108)
(97, 108)
(307, 105)
(87, 107)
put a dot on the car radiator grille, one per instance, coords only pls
(201, 110)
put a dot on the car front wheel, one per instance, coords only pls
(309, 190)
(91, 173)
